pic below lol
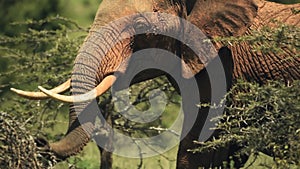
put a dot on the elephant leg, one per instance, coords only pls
(213, 158)
(187, 159)
(105, 136)
(105, 159)
(222, 157)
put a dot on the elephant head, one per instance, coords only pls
(99, 60)
(102, 58)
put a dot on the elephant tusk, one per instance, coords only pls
(106, 83)
(40, 95)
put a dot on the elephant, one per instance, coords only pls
(249, 64)
(97, 66)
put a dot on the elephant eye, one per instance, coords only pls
(141, 25)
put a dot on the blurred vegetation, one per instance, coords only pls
(36, 56)
(38, 47)
(17, 148)
(22, 10)
(16, 10)
(261, 119)
(280, 39)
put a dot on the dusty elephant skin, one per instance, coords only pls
(96, 62)
(225, 20)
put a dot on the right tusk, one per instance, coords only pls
(106, 83)
(40, 95)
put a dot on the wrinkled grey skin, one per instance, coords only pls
(213, 17)
(227, 20)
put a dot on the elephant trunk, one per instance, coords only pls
(101, 54)
(73, 142)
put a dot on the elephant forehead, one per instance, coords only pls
(110, 10)
(141, 6)
(153, 5)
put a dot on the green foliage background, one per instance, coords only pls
(38, 47)
(261, 119)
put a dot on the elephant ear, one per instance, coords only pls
(223, 17)
(214, 18)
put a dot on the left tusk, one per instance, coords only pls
(106, 83)
(39, 95)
